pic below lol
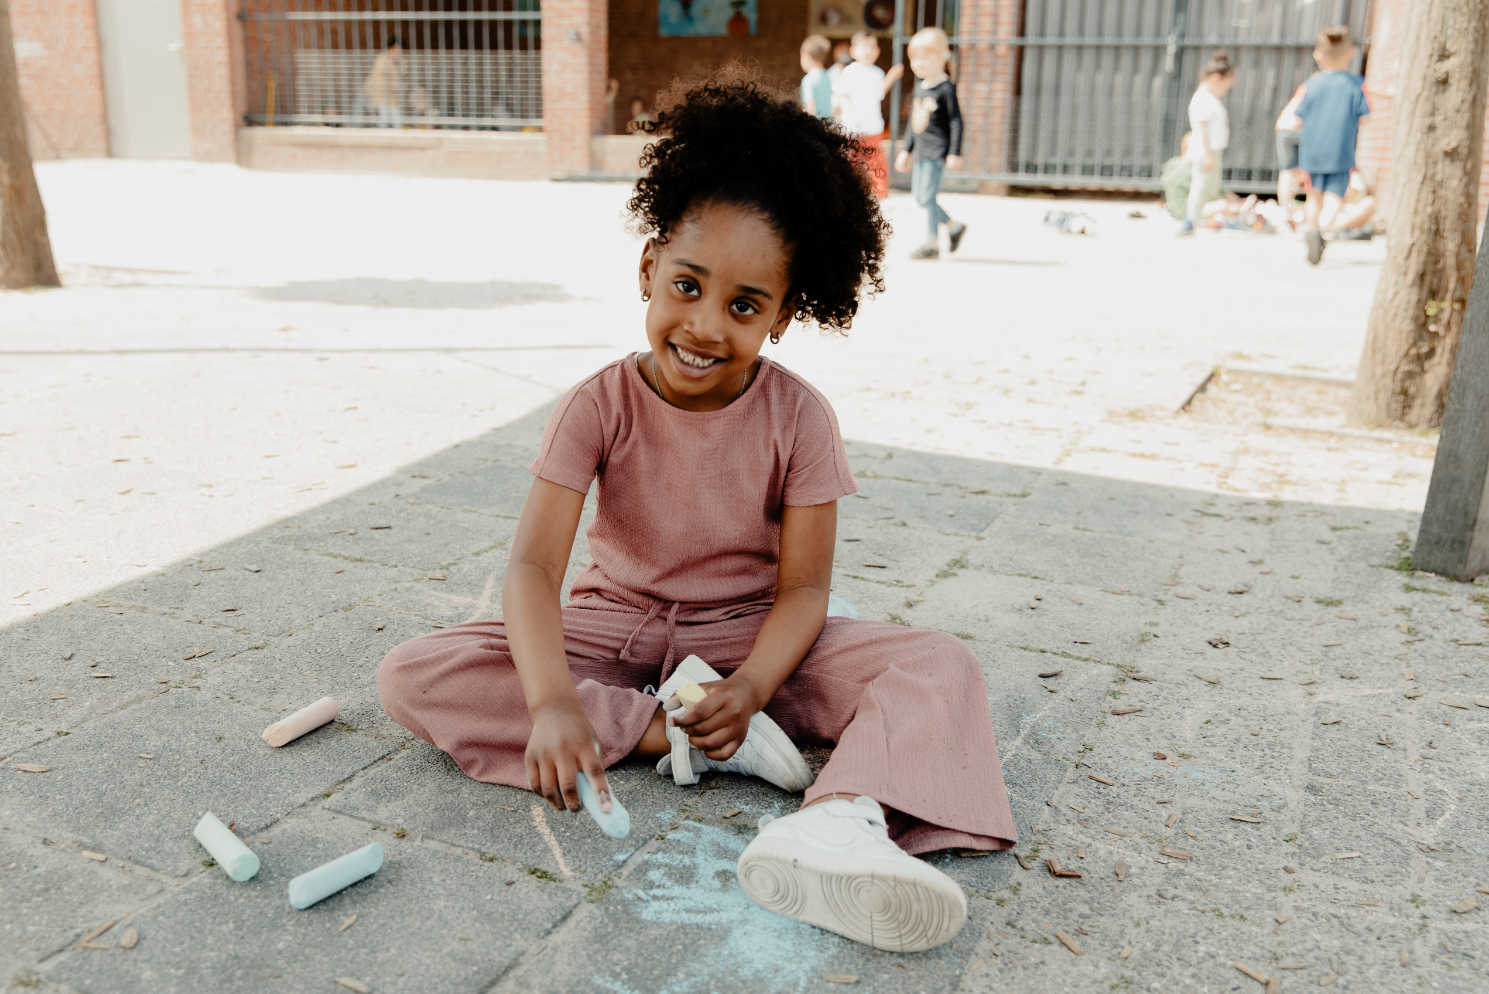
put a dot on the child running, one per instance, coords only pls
(935, 139)
(1209, 125)
(1332, 105)
(719, 474)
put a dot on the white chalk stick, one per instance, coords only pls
(306, 719)
(236, 859)
(328, 878)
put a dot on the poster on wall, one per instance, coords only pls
(842, 18)
(706, 18)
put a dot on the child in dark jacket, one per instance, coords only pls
(935, 138)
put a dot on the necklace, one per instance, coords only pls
(743, 380)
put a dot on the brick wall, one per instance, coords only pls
(575, 41)
(213, 48)
(1386, 32)
(56, 45)
(644, 63)
(987, 77)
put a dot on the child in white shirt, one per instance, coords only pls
(860, 91)
(1210, 125)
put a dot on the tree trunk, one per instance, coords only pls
(25, 250)
(1435, 162)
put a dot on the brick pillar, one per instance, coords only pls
(575, 42)
(57, 57)
(212, 39)
(987, 76)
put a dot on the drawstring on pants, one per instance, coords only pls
(656, 607)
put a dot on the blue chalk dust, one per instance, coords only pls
(617, 824)
(339, 874)
(694, 884)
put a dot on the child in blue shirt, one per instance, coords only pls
(816, 85)
(1333, 102)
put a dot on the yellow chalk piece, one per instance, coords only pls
(690, 694)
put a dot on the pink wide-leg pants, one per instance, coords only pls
(906, 709)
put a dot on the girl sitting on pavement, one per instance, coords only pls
(720, 472)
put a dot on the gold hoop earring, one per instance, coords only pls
(775, 338)
(645, 296)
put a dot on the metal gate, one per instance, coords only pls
(466, 64)
(1095, 93)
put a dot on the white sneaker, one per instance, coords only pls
(832, 865)
(766, 752)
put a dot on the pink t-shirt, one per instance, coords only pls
(690, 503)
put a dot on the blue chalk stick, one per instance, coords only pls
(236, 859)
(617, 824)
(325, 880)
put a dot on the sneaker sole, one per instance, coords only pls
(1315, 247)
(897, 910)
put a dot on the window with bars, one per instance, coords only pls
(463, 64)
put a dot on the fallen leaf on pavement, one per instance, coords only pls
(1120, 869)
(1109, 783)
(1209, 677)
(1183, 596)
(1455, 704)
(1295, 598)
(1070, 944)
(1331, 721)
(97, 857)
(1126, 951)
(32, 768)
(353, 984)
(1125, 710)
(1412, 695)
(1254, 821)
(1254, 975)
(1049, 673)
(1271, 676)
(841, 978)
(1218, 642)
(1346, 855)
(1464, 906)
(347, 924)
(1330, 645)
(1283, 920)
(1172, 819)
(1117, 831)
(129, 939)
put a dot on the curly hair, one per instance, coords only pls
(730, 139)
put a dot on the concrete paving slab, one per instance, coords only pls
(394, 533)
(428, 921)
(885, 462)
(935, 507)
(207, 755)
(43, 694)
(273, 586)
(337, 656)
(51, 896)
(496, 488)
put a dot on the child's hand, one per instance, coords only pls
(953, 162)
(902, 162)
(893, 76)
(719, 723)
(562, 743)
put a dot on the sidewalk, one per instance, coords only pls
(1082, 596)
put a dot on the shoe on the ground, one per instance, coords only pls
(832, 865)
(926, 251)
(766, 752)
(1187, 228)
(1315, 246)
(955, 234)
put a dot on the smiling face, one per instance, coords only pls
(719, 286)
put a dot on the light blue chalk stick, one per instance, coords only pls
(236, 859)
(617, 824)
(328, 878)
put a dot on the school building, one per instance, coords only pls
(1082, 94)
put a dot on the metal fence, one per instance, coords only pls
(1095, 93)
(465, 64)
